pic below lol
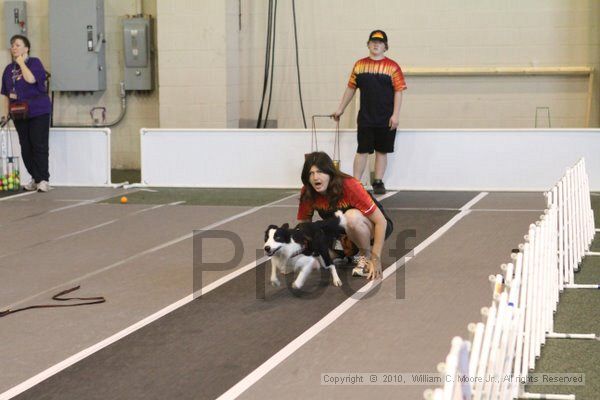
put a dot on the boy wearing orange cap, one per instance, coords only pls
(381, 83)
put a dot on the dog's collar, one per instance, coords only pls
(297, 253)
(302, 249)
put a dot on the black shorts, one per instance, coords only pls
(389, 228)
(379, 139)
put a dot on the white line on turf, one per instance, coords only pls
(506, 210)
(16, 196)
(385, 196)
(143, 210)
(438, 209)
(294, 345)
(175, 203)
(91, 228)
(221, 281)
(138, 212)
(474, 201)
(40, 377)
(435, 209)
(96, 200)
(47, 373)
(378, 197)
(422, 208)
(140, 254)
(81, 203)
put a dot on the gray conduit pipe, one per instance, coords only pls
(123, 96)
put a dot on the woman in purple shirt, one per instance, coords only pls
(24, 81)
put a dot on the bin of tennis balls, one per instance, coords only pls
(10, 178)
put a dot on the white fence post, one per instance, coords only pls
(521, 316)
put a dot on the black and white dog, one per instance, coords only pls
(305, 248)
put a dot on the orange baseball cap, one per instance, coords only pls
(378, 35)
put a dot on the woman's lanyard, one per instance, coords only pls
(15, 76)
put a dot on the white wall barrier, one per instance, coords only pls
(423, 160)
(504, 349)
(232, 158)
(78, 156)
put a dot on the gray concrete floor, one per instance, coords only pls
(445, 287)
(121, 261)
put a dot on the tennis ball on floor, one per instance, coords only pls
(10, 179)
(123, 199)
(10, 186)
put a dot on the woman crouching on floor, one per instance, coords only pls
(327, 190)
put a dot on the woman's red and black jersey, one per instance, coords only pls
(354, 196)
(377, 80)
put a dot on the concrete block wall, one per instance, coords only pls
(432, 33)
(198, 67)
(232, 22)
(210, 62)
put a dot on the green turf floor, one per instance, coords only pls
(596, 207)
(206, 197)
(570, 356)
(577, 312)
(125, 175)
(7, 193)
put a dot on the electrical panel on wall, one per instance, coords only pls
(137, 45)
(77, 45)
(15, 19)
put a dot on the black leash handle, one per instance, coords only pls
(87, 301)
